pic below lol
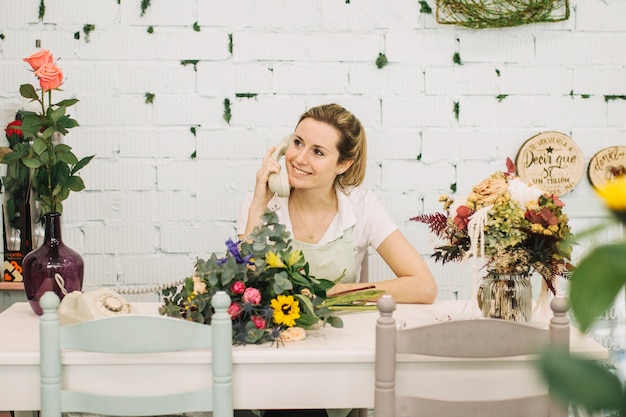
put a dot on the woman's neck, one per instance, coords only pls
(314, 200)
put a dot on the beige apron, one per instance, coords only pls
(329, 260)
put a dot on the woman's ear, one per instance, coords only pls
(343, 167)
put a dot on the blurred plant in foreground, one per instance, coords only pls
(598, 279)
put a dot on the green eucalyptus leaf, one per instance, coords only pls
(596, 282)
(581, 381)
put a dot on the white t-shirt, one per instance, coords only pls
(359, 209)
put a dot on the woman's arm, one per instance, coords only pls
(414, 283)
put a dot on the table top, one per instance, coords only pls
(335, 367)
(19, 341)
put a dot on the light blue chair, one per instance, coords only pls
(136, 334)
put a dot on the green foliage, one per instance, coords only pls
(381, 61)
(456, 109)
(55, 166)
(194, 154)
(501, 97)
(87, 29)
(424, 7)
(230, 43)
(42, 9)
(192, 129)
(610, 97)
(456, 58)
(150, 29)
(500, 13)
(193, 62)
(196, 27)
(1, 36)
(453, 187)
(497, 72)
(596, 282)
(149, 98)
(144, 6)
(227, 115)
(245, 95)
(77, 35)
(583, 382)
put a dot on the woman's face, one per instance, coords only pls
(311, 158)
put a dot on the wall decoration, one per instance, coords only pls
(552, 161)
(480, 14)
(606, 165)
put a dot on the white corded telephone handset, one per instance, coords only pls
(76, 307)
(279, 183)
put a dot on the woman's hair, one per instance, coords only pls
(352, 143)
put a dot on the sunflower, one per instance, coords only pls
(286, 310)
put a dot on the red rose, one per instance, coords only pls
(10, 130)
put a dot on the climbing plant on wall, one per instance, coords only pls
(480, 14)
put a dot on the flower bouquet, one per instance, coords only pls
(511, 226)
(274, 298)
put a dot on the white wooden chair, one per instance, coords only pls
(468, 340)
(135, 334)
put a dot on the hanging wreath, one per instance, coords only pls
(480, 14)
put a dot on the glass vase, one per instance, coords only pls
(53, 257)
(506, 297)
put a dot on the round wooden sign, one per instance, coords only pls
(551, 161)
(607, 164)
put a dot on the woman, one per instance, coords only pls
(332, 220)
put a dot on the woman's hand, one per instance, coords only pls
(262, 193)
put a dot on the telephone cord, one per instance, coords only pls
(125, 290)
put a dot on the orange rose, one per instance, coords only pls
(40, 58)
(50, 76)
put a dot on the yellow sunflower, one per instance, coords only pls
(286, 310)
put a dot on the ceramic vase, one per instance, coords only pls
(506, 297)
(53, 266)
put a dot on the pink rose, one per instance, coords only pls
(50, 76)
(238, 287)
(234, 310)
(259, 322)
(252, 296)
(40, 58)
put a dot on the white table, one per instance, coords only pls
(331, 368)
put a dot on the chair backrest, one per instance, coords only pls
(135, 334)
(463, 340)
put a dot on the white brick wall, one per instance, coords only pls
(150, 209)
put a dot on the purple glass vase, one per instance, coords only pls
(53, 257)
